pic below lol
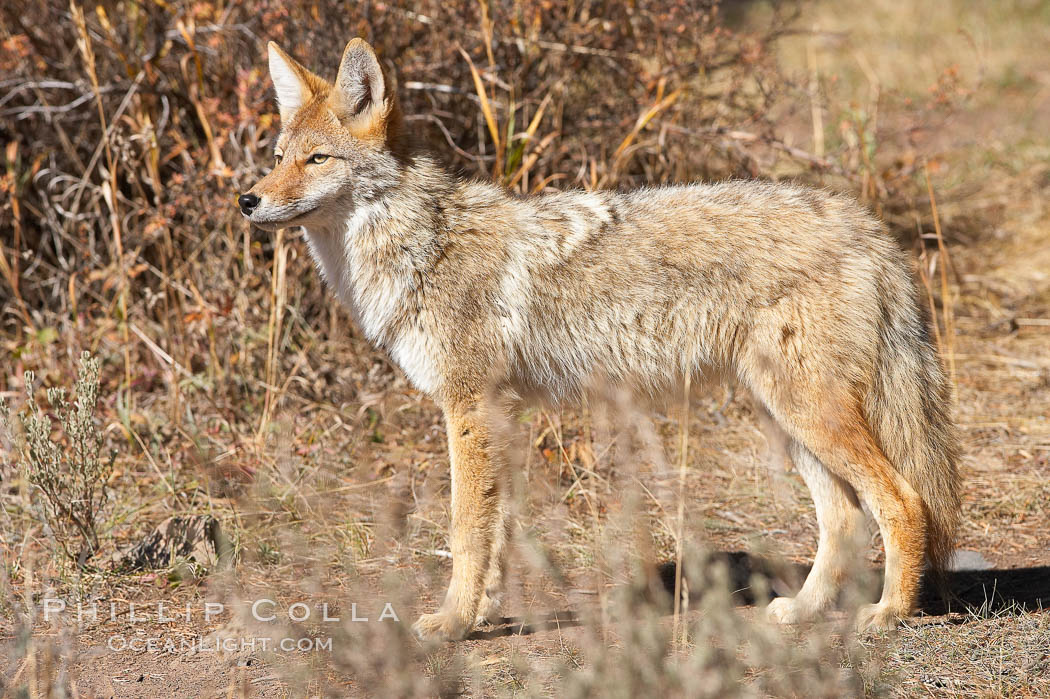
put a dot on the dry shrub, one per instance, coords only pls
(123, 157)
(580, 94)
(67, 469)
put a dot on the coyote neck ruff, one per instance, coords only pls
(475, 293)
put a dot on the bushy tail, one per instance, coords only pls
(910, 411)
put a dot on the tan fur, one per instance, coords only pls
(477, 294)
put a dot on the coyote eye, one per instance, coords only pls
(317, 159)
(277, 158)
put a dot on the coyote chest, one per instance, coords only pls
(378, 298)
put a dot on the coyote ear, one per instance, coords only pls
(360, 92)
(293, 83)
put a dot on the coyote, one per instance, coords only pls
(797, 294)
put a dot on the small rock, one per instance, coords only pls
(194, 538)
(964, 559)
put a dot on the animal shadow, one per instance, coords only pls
(983, 591)
(756, 579)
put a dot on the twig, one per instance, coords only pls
(277, 298)
(109, 188)
(816, 114)
(486, 110)
(946, 296)
(776, 144)
(162, 355)
(682, 461)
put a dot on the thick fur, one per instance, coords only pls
(797, 293)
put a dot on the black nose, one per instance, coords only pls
(247, 202)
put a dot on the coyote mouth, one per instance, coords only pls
(274, 224)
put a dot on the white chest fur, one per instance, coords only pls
(376, 293)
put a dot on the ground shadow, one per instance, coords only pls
(985, 592)
(755, 579)
(990, 591)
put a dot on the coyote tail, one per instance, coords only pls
(910, 411)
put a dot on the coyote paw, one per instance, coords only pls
(441, 626)
(488, 610)
(786, 610)
(877, 617)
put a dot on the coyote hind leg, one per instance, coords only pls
(827, 418)
(840, 520)
(852, 453)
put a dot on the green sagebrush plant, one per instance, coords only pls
(67, 468)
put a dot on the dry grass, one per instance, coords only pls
(233, 387)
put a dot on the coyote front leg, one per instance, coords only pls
(477, 519)
(488, 610)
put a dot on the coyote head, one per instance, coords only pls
(337, 150)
